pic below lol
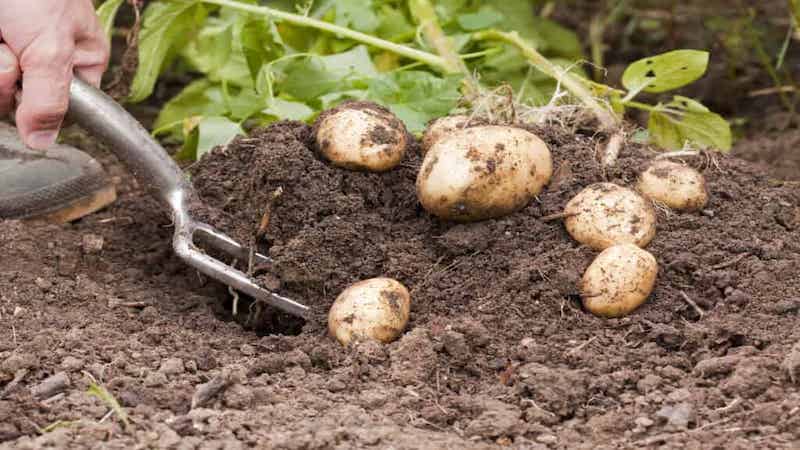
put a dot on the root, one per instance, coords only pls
(613, 148)
(694, 305)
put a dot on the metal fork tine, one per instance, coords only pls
(223, 243)
(234, 278)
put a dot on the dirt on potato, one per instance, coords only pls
(498, 352)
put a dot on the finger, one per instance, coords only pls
(46, 74)
(92, 53)
(9, 75)
(91, 63)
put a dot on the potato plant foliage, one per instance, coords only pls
(252, 64)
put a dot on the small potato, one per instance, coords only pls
(605, 214)
(483, 172)
(618, 281)
(443, 126)
(375, 309)
(361, 136)
(675, 185)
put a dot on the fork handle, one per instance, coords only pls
(105, 119)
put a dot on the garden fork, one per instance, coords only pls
(104, 118)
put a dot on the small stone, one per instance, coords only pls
(72, 363)
(155, 379)
(43, 284)
(92, 244)
(18, 311)
(171, 366)
(643, 422)
(678, 416)
(336, 385)
(247, 350)
(547, 439)
(679, 395)
(649, 383)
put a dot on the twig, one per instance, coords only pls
(14, 383)
(582, 346)
(691, 303)
(557, 216)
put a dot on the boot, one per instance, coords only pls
(58, 185)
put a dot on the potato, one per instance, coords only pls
(483, 172)
(618, 281)
(675, 185)
(605, 214)
(361, 136)
(375, 309)
(443, 126)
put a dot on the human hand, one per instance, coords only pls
(42, 44)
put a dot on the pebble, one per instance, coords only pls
(677, 416)
(171, 366)
(155, 379)
(71, 363)
(546, 439)
(92, 244)
(643, 422)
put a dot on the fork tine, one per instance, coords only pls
(225, 244)
(234, 278)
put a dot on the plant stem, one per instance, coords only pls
(429, 23)
(429, 59)
(608, 120)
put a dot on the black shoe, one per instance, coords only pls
(59, 185)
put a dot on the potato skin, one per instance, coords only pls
(361, 136)
(483, 172)
(375, 309)
(618, 281)
(442, 126)
(605, 214)
(678, 186)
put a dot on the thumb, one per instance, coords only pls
(46, 74)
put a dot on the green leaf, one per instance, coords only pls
(165, 25)
(100, 392)
(199, 98)
(260, 43)
(284, 109)
(485, 17)
(214, 131)
(665, 72)
(357, 14)
(393, 23)
(312, 77)
(106, 13)
(416, 97)
(686, 121)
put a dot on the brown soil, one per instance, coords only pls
(498, 351)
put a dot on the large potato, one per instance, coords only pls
(618, 281)
(483, 172)
(375, 309)
(361, 136)
(605, 214)
(675, 185)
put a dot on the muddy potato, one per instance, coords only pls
(443, 126)
(375, 309)
(618, 281)
(483, 172)
(361, 136)
(605, 214)
(675, 185)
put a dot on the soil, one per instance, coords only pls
(498, 352)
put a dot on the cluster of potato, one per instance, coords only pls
(475, 171)
(620, 222)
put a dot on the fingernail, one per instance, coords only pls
(42, 140)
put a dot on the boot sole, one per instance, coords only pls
(79, 208)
